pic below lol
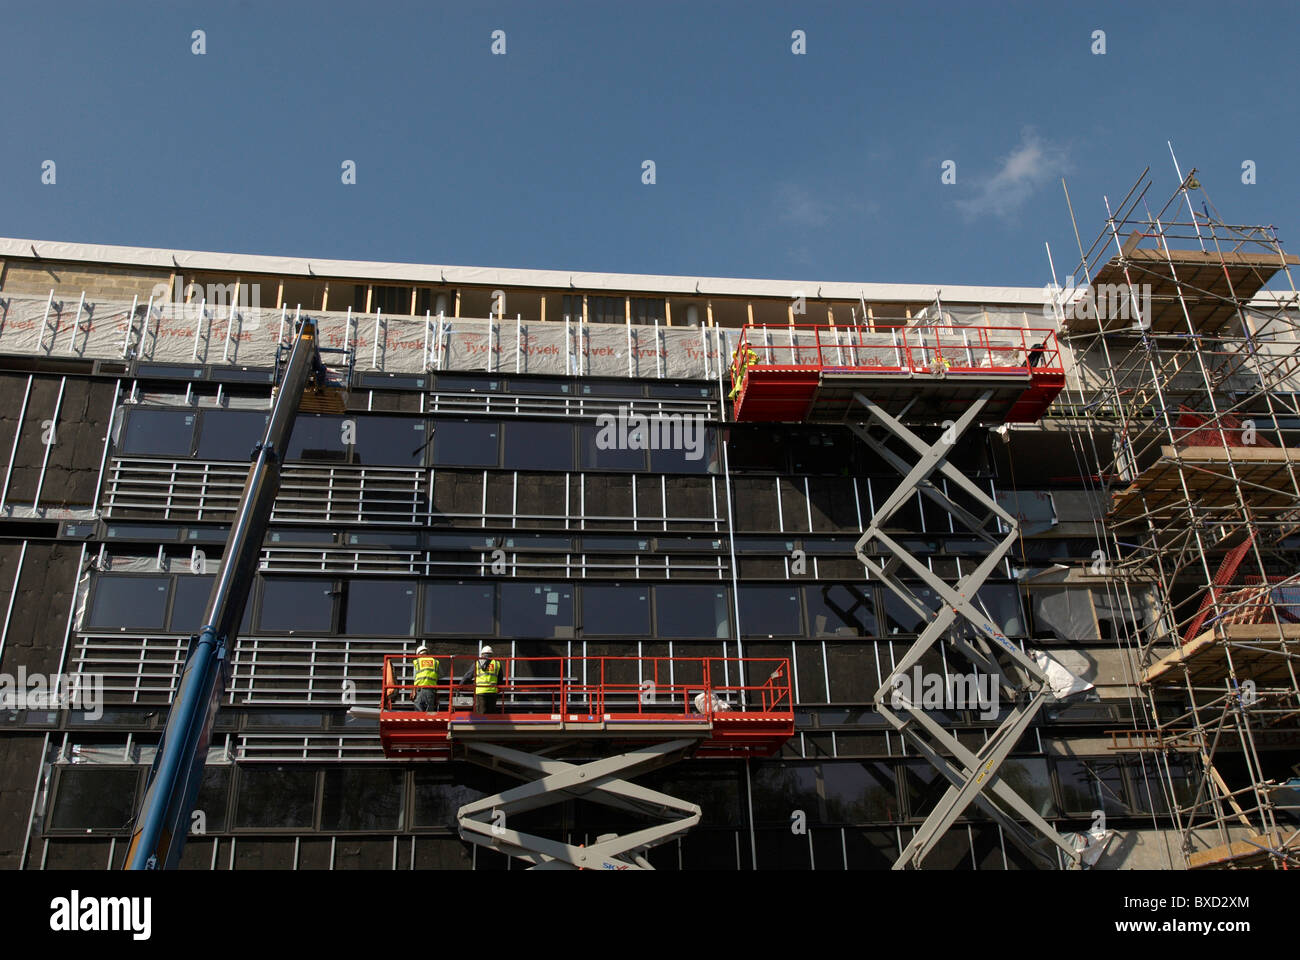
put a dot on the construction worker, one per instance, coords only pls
(487, 680)
(426, 680)
(740, 365)
(1035, 355)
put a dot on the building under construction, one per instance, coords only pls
(780, 575)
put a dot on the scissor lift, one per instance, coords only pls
(635, 714)
(882, 382)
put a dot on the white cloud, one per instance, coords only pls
(1029, 166)
(796, 204)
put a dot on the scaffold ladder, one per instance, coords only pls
(487, 822)
(973, 776)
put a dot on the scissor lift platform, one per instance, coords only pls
(633, 713)
(802, 374)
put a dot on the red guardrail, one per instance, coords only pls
(687, 688)
(897, 349)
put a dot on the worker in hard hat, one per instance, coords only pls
(487, 681)
(426, 680)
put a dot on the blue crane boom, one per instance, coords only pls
(163, 820)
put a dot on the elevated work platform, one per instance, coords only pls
(1259, 652)
(921, 374)
(728, 707)
(1263, 478)
(1208, 280)
(633, 714)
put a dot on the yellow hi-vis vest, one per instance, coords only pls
(426, 671)
(485, 681)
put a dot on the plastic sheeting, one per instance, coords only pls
(193, 333)
(1063, 683)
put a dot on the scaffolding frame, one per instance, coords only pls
(1201, 393)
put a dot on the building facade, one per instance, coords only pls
(464, 497)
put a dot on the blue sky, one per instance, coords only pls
(767, 164)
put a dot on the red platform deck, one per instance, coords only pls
(734, 707)
(809, 373)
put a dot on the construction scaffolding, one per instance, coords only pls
(1186, 371)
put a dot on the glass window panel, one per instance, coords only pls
(99, 799)
(1092, 784)
(297, 606)
(231, 434)
(438, 796)
(160, 433)
(317, 437)
(460, 608)
(1030, 779)
(213, 794)
(599, 453)
(860, 792)
(536, 445)
(1002, 603)
(362, 798)
(275, 796)
(189, 604)
(611, 389)
(615, 609)
(900, 618)
(770, 611)
(395, 441)
(380, 608)
(536, 610)
(686, 446)
(451, 383)
(778, 789)
(137, 603)
(840, 610)
(692, 610)
(466, 443)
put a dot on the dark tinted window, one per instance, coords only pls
(692, 610)
(536, 610)
(395, 441)
(466, 443)
(362, 798)
(275, 797)
(599, 449)
(903, 619)
(686, 446)
(837, 610)
(189, 603)
(611, 610)
(459, 607)
(137, 603)
(533, 445)
(231, 434)
(91, 799)
(299, 606)
(770, 611)
(380, 608)
(612, 389)
(459, 384)
(213, 794)
(317, 437)
(158, 433)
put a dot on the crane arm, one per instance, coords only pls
(163, 820)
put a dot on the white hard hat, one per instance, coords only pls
(487, 651)
(421, 649)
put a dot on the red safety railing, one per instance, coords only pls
(603, 688)
(941, 349)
